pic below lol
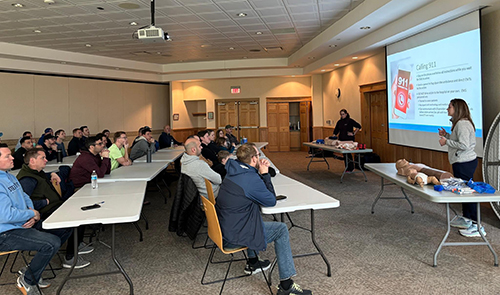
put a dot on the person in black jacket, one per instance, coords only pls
(75, 145)
(207, 152)
(346, 129)
(166, 138)
(50, 147)
(26, 144)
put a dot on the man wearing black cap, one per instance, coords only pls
(229, 133)
(50, 147)
(45, 133)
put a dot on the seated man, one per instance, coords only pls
(50, 147)
(229, 134)
(25, 134)
(207, 152)
(220, 167)
(47, 131)
(198, 169)
(85, 133)
(246, 187)
(142, 143)
(21, 229)
(75, 145)
(166, 138)
(26, 145)
(118, 152)
(60, 136)
(38, 185)
(94, 159)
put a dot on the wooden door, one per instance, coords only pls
(248, 115)
(272, 127)
(305, 123)
(378, 125)
(284, 127)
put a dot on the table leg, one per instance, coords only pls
(379, 196)
(434, 264)
(444, 243)
(75, 260)
(313, 238)
(113, 256)
(495, 257)
(313, 154)
(361, 167)
(118, 263)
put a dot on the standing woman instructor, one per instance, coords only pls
(345, 129)
(461, 143)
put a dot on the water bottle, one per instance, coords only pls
(59, 156)
(93, 180)
(149, 155)
(172, 143)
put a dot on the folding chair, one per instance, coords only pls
(215, 234)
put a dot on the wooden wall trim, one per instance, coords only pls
(288, 99)
(377, 86)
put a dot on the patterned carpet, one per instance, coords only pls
(389, 252)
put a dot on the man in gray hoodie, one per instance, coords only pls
(140, 147)
(198, 169)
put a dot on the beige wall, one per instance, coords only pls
(33, 102)
(348, 79)
(254, 88)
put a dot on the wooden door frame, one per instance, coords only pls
(364, 91)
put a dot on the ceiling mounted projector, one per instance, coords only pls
(151, 34)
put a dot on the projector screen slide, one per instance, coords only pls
(424, 73)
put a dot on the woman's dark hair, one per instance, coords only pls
(461, 112)
(345, 111)
(221, 141)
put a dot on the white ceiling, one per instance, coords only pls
(71, 24)
(321, 33)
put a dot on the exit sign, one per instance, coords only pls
(235, 89)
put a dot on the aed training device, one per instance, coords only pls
(95, 206)
(280, 197)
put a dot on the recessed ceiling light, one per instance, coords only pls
(258, 33)
(205, 45)
(241, 14)
(354, 57)
(88, 45)
(100, 8)
(37, 31)
(311, 57)
(133, 23)
(245, 57)
(189, 80)
(323, 70)
(231, 48)
(365, 28)
(18, 5)
(336, 65)
(333, 45)
(293, 76)
(63, 62)
(158, 52)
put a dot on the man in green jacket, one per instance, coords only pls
(38, 185)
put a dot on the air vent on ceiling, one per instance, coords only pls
(283, 31)
(273, 49)
(254, 50)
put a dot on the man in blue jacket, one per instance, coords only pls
(248, 186)
(20, 227)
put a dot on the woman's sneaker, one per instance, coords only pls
(472, 231)
(460, 222)
(295, 289)
(41, 283)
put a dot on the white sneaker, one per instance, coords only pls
(80, 263)
(472, 231)
(460, 222)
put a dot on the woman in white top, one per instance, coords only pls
(461, 143)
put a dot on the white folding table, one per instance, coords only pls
(388, 171)
(135, 172)
(323, 147)
(300, 197)
(164, 156)
(119, 204)
(66, 161)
